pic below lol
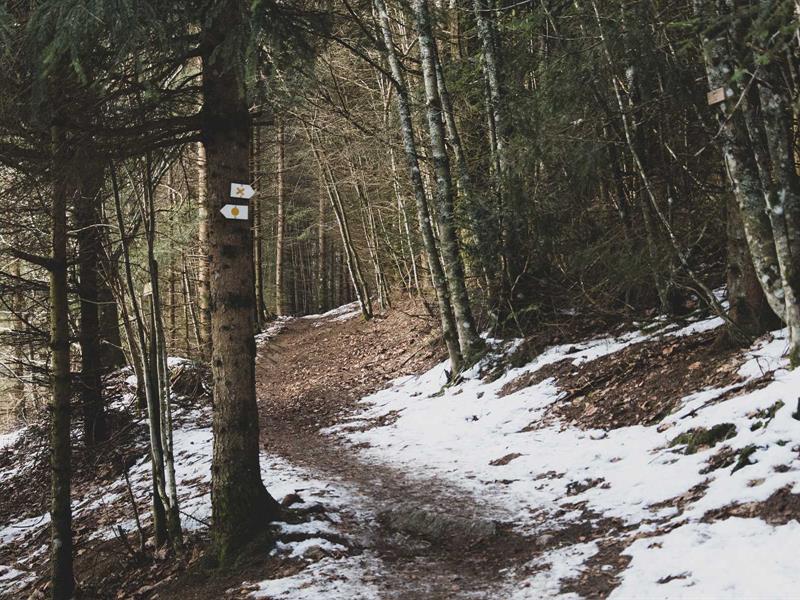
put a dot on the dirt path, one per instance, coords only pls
(310, 376)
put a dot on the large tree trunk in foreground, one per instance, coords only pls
(61, 577)
(241, 505)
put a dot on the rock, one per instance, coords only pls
(437, 526)
(291, 499)
(504, 460)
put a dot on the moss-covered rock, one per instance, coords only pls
(765, 415)
(744, 457)
(702, 438)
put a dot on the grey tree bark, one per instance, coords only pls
(280, 221)
(449, 331)
(470, 342)
(203, 292)
(756, 145)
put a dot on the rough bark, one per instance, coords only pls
(741, 163)
(87, 216)
(783, 199)
(241, 505)
(757, 146)
(749, 311)
(61, 577)
(481, 222)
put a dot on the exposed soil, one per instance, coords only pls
(639, 385)
(310, 375)
(780, 508)
(301, 388)
(313, 373)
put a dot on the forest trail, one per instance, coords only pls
(310, 376)
(563, 466)
(642, 464)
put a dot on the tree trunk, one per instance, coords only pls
(481, 221)
(191, 313)
(159, 509)
(469, 340)
(322, 286)
(783, 199)
(61, 577)
(371, 236)
(280, 222)
(758, 155)
(241, 505)
(506, 183)
(449, 332)
(203, 290)
(87, 216)
(111, 353)
(353, 262)
(146, 378)
(258, 232)
(749, 310)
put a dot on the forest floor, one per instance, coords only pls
(649, 463)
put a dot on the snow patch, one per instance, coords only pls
(734, 558)
(630, 473)
(328, 578)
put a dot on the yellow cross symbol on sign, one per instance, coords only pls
(241, 190)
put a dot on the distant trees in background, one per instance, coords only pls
(510, 164)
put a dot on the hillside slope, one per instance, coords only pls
(647, 464)
(639, 465)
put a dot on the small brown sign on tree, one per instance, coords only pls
(716, 96)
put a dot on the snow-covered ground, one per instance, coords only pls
(342, 313)
(456, 432)
(193, 451)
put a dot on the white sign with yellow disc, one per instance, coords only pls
(234, 211)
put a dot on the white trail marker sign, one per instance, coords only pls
(235, 211)
(242, 191)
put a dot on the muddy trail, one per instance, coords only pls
(433, 541)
